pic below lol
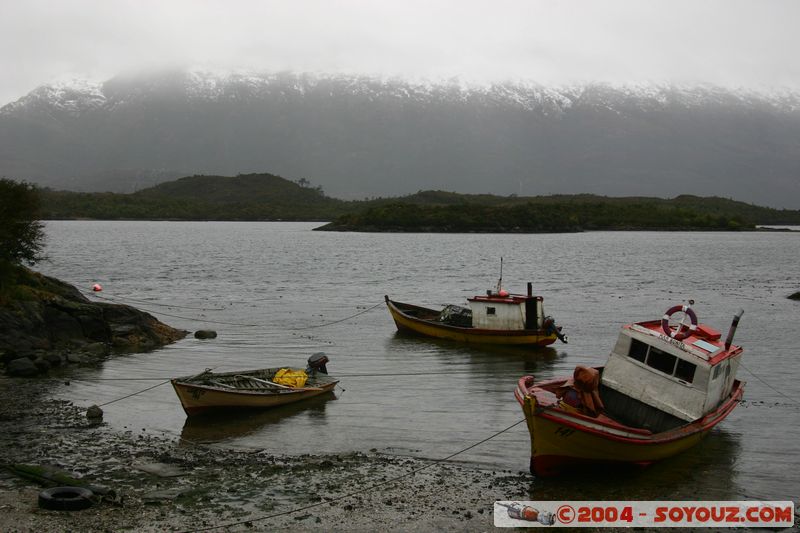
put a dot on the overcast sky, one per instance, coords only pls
(751, 43)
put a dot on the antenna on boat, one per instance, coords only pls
(732, 331)
(500, 281)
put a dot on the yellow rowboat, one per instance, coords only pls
(658, 395)
(249, 389)
(497, 318)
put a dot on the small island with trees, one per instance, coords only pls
(263, 197)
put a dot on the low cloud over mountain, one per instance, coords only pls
(357, 137)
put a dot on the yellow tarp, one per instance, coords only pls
(290, 377)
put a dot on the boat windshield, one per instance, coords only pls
(662, 361)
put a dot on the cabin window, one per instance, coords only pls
(638, 350)
(685, 370)
(717, 370)
(661, 361)
(491, 311)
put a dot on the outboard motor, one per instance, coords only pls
(550, 327)
(317, 363)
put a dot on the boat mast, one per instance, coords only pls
(500, 281)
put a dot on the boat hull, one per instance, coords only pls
(562, 440)
(199, 398)
(405, 321)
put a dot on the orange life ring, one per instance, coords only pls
(682, 332)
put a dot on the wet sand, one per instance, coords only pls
(170, 485)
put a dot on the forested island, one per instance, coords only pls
(266, 197)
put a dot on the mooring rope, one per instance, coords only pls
(241, 324)
(125, 298)
(134, 393)
(338, 375)
(794, 401)
(338, 321)
(296, 329)
(362, 490)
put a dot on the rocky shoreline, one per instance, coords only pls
(46, 323)
(165, 483)
(169, 484)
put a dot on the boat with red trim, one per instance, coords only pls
(665, 385)
(496, 318)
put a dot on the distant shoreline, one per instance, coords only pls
(266, 197)
(433, 230)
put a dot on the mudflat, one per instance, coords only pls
(166, 484)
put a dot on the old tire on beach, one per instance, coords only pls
(65, 498)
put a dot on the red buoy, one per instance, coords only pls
(503, 293)
(97, 287)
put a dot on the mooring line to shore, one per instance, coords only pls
(338, 321)
(240, 324)
(161, 378)
(359, 491)
(125, 298)
(794, 401)
(134, 393)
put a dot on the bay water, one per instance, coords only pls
(278, 292)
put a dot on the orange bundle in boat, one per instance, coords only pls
(581, 392)
(587, 382)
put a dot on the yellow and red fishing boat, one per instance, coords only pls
(664, 386)
(253, 389)
(496, 318)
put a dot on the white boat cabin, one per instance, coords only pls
(661, 382)
(501, 310)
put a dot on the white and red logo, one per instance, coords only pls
(695, 514)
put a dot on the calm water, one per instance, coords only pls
(265, 286)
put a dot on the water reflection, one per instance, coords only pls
(480, 358)
(226, 426)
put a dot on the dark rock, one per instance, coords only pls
(94, 413)
(61, 325)
(795, 296)
(77, 358)
(47, 317)
(22, 367)
(41, 365)
(96, 348)
(53, 358)
(205, 334)
(94, 327)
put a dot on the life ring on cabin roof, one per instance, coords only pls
(683, 331)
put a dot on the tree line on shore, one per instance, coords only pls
(259, 197)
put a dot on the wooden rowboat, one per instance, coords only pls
(660, 392)
(246, 389)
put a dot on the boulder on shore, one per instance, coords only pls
(44, 320)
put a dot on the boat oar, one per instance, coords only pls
(273, 384)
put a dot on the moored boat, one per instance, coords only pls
(496, 318)
(253, 389)
(662, 389)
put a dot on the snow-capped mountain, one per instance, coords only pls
(363, 136)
